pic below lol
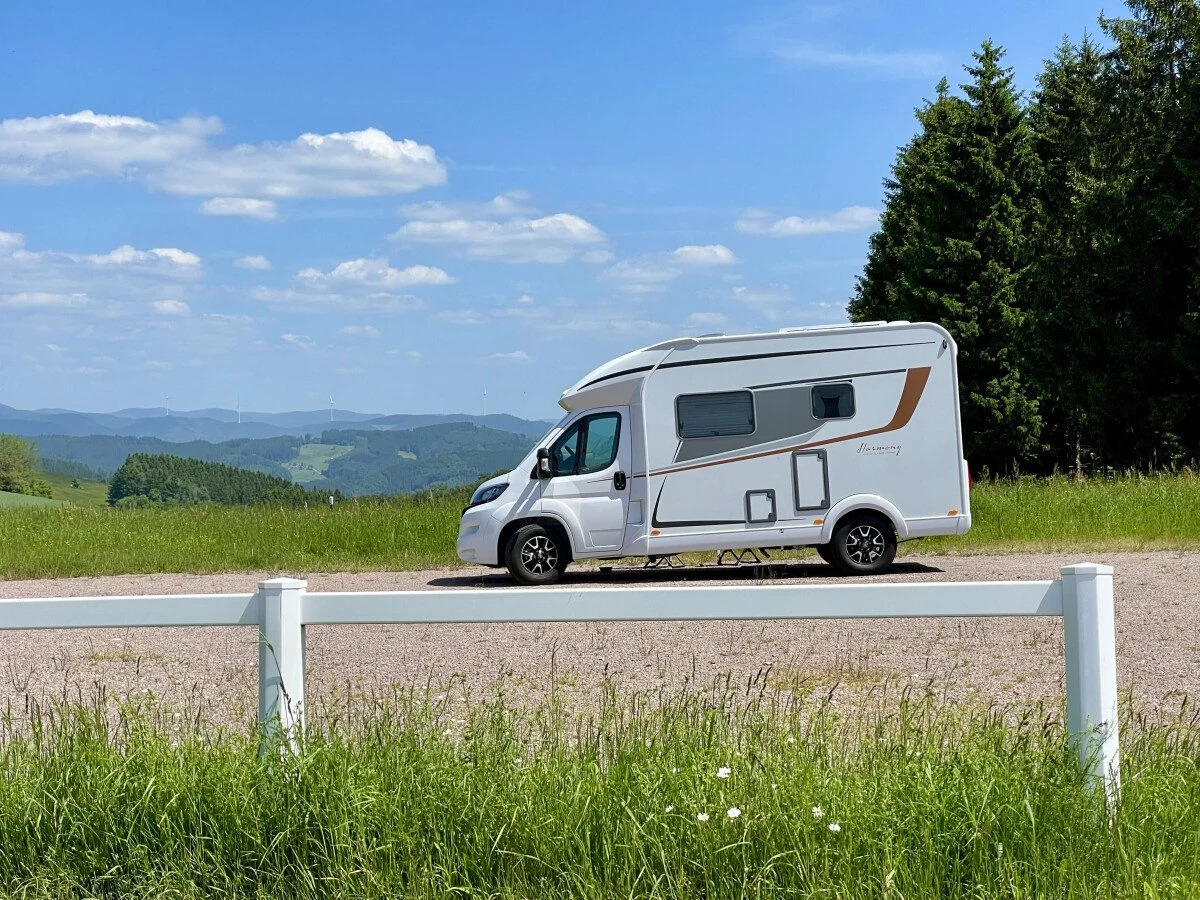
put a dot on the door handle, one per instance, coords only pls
(619, 481)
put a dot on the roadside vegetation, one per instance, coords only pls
(703, 794)
(419, 531)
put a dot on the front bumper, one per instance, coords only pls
(478, 536)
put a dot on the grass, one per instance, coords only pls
(89, 493)
(9, 500)
(402, 797)
(1130, 513)
(313, 459)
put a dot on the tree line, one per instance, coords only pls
(160, 479)
(1057, 237)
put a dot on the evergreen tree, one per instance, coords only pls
(953, 247)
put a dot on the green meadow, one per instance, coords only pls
(419, 531)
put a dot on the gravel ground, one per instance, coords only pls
(214, 670)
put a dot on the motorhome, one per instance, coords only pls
(844, 438)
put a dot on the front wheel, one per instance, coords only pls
(534, 556)
(862, 545)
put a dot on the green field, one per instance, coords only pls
(313, 459)
(9, 500)
(416, 532)
(701, 795)
(89, 493)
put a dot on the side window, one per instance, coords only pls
(600, 442)
(714, 415)
(565, 451)
(833, 401)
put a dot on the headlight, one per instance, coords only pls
(487, 494)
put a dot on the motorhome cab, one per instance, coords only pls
(844, 438)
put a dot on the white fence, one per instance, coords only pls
(282, 607)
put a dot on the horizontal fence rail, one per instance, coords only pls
(283, 607)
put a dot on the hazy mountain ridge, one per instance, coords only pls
(217, 425)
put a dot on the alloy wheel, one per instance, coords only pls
(539, 555)
(865, 544)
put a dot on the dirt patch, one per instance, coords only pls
(214, 670)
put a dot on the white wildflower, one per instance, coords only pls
(835, 827)
(448, 732)
(818, 812)
(724, 772)
(670, 809)
(734, 812)
(774, 786)
(675, 770)
(701, 817)
(649, 743)
(791, 740)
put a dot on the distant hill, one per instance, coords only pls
(353, 461)
(217, 425)
(161, 479)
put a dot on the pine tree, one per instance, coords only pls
(952, 249)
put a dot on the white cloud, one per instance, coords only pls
(126, 255)
(851, 218)
(156, 365)
(179, 157)
(263, 210)
(597, 256)
(253, 262)
(299, 340)
(55, 148)
(366, 163)
(653, 271)
(510, 203)
(516, 356)
(375, 273)
(550, 239)
(366, 331)
(412, 356)
(171, 307)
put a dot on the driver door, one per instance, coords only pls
(591, 462)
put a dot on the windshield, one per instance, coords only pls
(544, 440)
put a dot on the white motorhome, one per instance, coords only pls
(844, 438)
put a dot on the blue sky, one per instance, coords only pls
(409, 206)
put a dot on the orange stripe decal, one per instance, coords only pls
(914, 386)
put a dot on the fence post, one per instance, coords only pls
(281, 658)
(1090, 651)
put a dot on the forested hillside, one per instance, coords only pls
(161, 479)
(1057, 236)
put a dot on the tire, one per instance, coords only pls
(862, 544)
(825, 554)
(535, 555)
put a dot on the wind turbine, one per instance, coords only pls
(166, 406)
(239, 409)
(331, 407)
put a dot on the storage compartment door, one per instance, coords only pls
(810, 476)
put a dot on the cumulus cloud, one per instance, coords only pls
(179, 157)
(50, 149)
(365, 331)
(171, 307)
(316, 299)
(253, 262)
(851, 218)
(654, 271)
(246, 207)
(43, 300)
(550, 239)
(374, 273)
(707, 320)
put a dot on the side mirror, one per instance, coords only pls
(545, 466)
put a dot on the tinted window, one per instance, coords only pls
(565, 451)
(833, 401)
(714, 415)
(600, 442)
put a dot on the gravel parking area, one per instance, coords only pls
(214, 670)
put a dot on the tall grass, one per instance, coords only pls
(698, 796)
(1129, 513)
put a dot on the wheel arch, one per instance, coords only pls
(552, 524)
(863, 503)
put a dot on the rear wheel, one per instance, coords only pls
(535, 555)
(862, 544)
